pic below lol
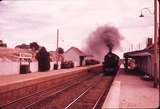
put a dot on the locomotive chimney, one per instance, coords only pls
(110, 49)
(109, 46)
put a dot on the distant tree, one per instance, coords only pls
(23, 46)
(43, 59)
(2, 44)
(34, 46)
(60, 50)
(60, 57)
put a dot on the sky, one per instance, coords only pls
(25, 21)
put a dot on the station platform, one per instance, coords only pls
(14, 78)
(128, 90)
(19, 79)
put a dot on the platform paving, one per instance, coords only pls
(133, 92)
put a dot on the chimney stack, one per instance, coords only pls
(149, 42)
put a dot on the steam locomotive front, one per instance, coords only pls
(110, 64)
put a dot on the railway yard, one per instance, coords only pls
(78, 88)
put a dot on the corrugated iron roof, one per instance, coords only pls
(144, 52)
(77, 51)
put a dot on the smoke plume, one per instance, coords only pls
(101, 40)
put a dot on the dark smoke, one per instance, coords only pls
(101, 40)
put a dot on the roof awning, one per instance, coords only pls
(141, 54)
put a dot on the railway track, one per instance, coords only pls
(25, 101)
(84, 93)
(92, 97)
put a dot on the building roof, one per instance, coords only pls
(53, 55)
(79, 52)
(141, 53)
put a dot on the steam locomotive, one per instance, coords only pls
(110, 64)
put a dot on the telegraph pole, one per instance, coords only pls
(57, 46)
(155, 44)
(57, 37)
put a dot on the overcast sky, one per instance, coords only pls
(25, 21)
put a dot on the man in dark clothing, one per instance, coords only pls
(81, 60)
(43, 59)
